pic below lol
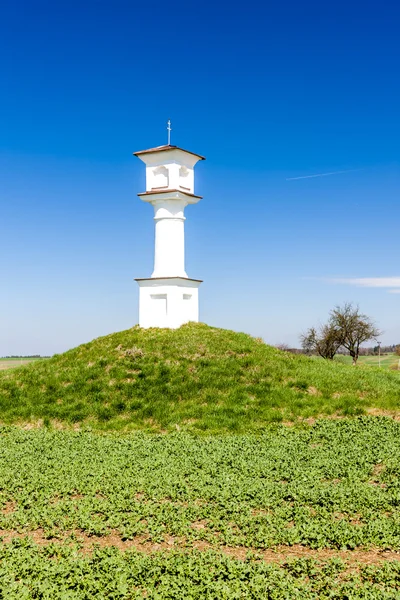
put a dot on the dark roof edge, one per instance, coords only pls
(177, 277)
(167, 148)
(167, 191)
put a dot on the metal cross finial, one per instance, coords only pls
(169, 132)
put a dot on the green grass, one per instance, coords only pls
(333, 485)
(387, 361)
(195, 378)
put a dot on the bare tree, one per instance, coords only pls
(283, 347)
(352, 328)
(323, 341)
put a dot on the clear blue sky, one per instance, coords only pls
(267, 92)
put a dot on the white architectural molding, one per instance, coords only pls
(169, 298)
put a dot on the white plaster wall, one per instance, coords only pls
(186, 179)
(168, 302)
(173, 170)
(172, 161)
(169, 252)
(158, 178)
(169, 176)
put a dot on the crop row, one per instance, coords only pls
(61, 573)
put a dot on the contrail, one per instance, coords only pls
(323, 174)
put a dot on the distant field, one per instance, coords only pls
(11, 363)
(387, 360)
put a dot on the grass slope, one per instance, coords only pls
(196, 377)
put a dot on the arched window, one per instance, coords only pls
(160, 178)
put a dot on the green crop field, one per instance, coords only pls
(292, 513)
(195, 464)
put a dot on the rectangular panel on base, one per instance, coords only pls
(168, 301)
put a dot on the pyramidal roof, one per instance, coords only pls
(167, 148)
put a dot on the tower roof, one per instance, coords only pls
(167, 148)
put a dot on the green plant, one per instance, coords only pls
(68, 499)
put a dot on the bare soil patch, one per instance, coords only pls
(277, 554)
(380, 412)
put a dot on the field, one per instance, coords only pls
(308, 513)
(12, 363)
(387, 361)
(195, 464)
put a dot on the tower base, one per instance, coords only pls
(168, 301)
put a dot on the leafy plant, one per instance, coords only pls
(69, 498)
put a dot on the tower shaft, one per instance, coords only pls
(169, 247)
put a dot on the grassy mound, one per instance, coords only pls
(196, 377)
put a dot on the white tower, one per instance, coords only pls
(169, 298)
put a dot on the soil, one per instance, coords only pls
(277, 554)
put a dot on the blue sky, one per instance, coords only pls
(268, 92)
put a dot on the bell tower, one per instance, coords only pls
(169, 297)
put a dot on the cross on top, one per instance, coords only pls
(169, 132)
